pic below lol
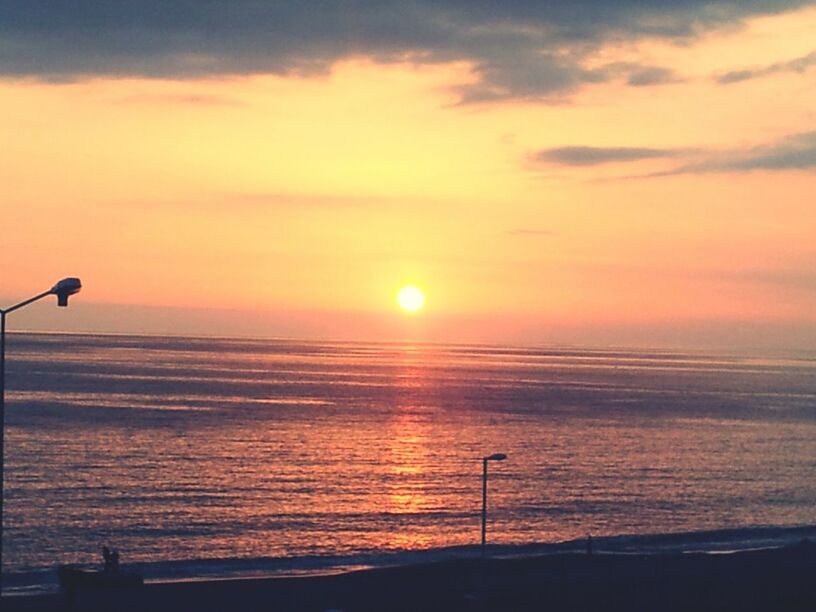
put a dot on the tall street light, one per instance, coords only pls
(493, 457)
(63, 289)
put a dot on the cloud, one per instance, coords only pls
(593, 156)
(800, 64)
(652, 75)
(519, 48)
(633, 74)
(796, 152)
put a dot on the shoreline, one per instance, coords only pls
(44, 581)
(767, 579)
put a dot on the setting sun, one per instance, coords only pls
(411, 298)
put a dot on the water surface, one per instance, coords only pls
(194, 452)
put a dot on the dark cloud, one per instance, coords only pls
(800, 64)
(797, 152)
(636, 75)
(520, 48)
(652, 76)
(593, 156)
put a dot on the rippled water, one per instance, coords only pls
(182, 450)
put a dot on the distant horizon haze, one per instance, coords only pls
(512, 330)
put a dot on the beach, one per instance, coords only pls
(772, 579)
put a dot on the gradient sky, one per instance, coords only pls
(585, 172)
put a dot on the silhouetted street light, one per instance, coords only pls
(493, 457)
(63, 289)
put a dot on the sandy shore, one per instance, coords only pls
(778, 579)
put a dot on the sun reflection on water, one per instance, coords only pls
(408, 446)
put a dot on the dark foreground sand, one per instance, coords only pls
(780, 579)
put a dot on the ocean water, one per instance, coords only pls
(217, 457)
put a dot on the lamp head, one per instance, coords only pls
(496, 457)
(65, 288)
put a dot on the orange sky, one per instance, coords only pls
(678, 211)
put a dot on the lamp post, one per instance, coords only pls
(493, 457)
(63, 289)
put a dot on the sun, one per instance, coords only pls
(410, 298)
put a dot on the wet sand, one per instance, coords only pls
(779, 579)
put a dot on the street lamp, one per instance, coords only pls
(63, 289)
(493, 457)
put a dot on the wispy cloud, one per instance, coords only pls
(634, 74)
(796, 152)
(593, 156)
(518, 48)
(652, 75)
(799, 64)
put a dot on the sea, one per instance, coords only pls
(208, 458)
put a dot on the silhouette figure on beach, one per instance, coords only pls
(111, 558)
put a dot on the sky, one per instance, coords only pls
(634, 173)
